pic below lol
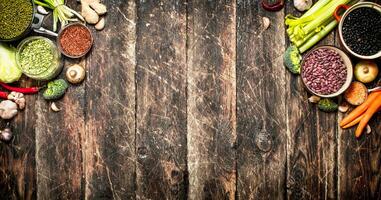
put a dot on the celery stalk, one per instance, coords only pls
(316, 7)
(326, 13)
(318, 36)
(300, 42)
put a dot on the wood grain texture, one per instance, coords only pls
(109, 142)
(17, 159)
(161, 100)
(261, 111)
(211, 99)
(187, 99)
(359, 160)
(58, 143)
(58, 147)
(311, 143)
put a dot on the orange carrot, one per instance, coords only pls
(373, 108)
(356, 121)
(360, 109)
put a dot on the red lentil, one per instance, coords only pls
(75, 40)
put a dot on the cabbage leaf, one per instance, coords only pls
(9, 71)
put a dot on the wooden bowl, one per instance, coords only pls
(347, 63)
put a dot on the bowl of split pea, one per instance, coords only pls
(39, 58)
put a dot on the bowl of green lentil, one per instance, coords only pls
(39, 58)
(16, 19)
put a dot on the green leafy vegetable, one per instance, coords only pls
(61, 12)
(327, 105)
(292, 59)
(56, 89)
(9, 71)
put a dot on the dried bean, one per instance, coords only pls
(324, 71)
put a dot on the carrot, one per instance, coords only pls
(356, 121)
(373, 108)
(360, 109)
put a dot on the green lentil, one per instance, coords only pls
(15, 17)
(36, 57)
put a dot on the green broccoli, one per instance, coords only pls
(56, 89)
(327, 105)
(291, 59)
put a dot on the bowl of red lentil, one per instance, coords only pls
(75, 40)
(326, 71)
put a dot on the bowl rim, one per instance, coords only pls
(27, 30)
(347, 62)
(59, 37)
(26, 41)
(340, 28)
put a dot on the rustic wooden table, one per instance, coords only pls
(187, 99)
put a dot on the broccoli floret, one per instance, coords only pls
(292, 59)
(327, 105)
(56, 89)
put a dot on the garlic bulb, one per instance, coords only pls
(302, 5)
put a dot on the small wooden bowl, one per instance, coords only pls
(59, 37)
(348, 64)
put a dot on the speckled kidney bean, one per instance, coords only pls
(324, 71)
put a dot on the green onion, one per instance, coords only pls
(61, 12)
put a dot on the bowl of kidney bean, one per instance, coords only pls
(326, 71)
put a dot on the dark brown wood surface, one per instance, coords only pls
(187, 99)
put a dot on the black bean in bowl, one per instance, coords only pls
(362, 31)
(324, 71)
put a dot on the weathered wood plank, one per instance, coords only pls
(212, 99)
(58, 146)
(161, 100)
(58, 143)
(359, 160)
(109, 142)
(311, 141)
(261, 111)
(17, 159)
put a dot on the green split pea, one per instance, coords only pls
(36, 57)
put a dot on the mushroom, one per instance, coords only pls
(8, 109)
(75, 74)
(18, 98)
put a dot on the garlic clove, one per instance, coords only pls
(54, 107)
(314, 99)
(42, 10)
(90, 15)
(6, 135)
(99, 8)
(266, 23)
(100, 25)
(368, 129)
(344, 107)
